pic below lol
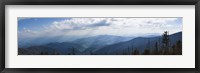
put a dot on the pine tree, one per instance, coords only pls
(128, 50)
(174, 49)
(46, 53)
(156, 49)
(72, 51)
(91, 53)
(42, 53)
(148, 44)
(136, 52)
(146, 52)
(179, 47)
(165, 41)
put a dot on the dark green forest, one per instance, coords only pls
(160, 48)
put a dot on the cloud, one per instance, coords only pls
(84, 27)
(79, 23)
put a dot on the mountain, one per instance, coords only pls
(97, 42)
(36, 41)
(37, 50)
(140, 43)
(52, 48)
(81, 46)
(98, 45)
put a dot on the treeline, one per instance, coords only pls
(163, 48)
(176, 49)
(73, 51)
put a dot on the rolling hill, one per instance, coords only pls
(140, 43)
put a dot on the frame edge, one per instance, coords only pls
(197, 35)
(2, 38)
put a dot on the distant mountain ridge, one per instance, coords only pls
(82, 44)
(100, 45)
(140, 43)
(100, 41)
(28, 42)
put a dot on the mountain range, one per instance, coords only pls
(139, 43)
(99, 45)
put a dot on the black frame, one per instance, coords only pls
(99, 2)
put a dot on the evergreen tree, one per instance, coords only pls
(155, 52)
(174, 49)
(42, 53)
(136, 52)
(91, 53)
(165, 41)
(179, 47)
(146, 52)
(57, 53)
(128, 52)
(73, 51)
(46, 53)
(148, 44)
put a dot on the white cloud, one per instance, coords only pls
(78, 23)
(111, 26)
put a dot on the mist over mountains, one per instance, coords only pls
(95, 45)
(139, 43)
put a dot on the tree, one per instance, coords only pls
(57, 53)
(148, 43)
(91, 53)
(136, 52)
(128, 52)
(174, 49)
(42, 53)
(146, 52)
(156, 52)
(178, 48)
(165, 41)
(46, 53)
(124, 52)
(73, 51)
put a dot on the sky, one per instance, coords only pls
(86, 27)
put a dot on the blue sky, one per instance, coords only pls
(36, 24)
(41, 27)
